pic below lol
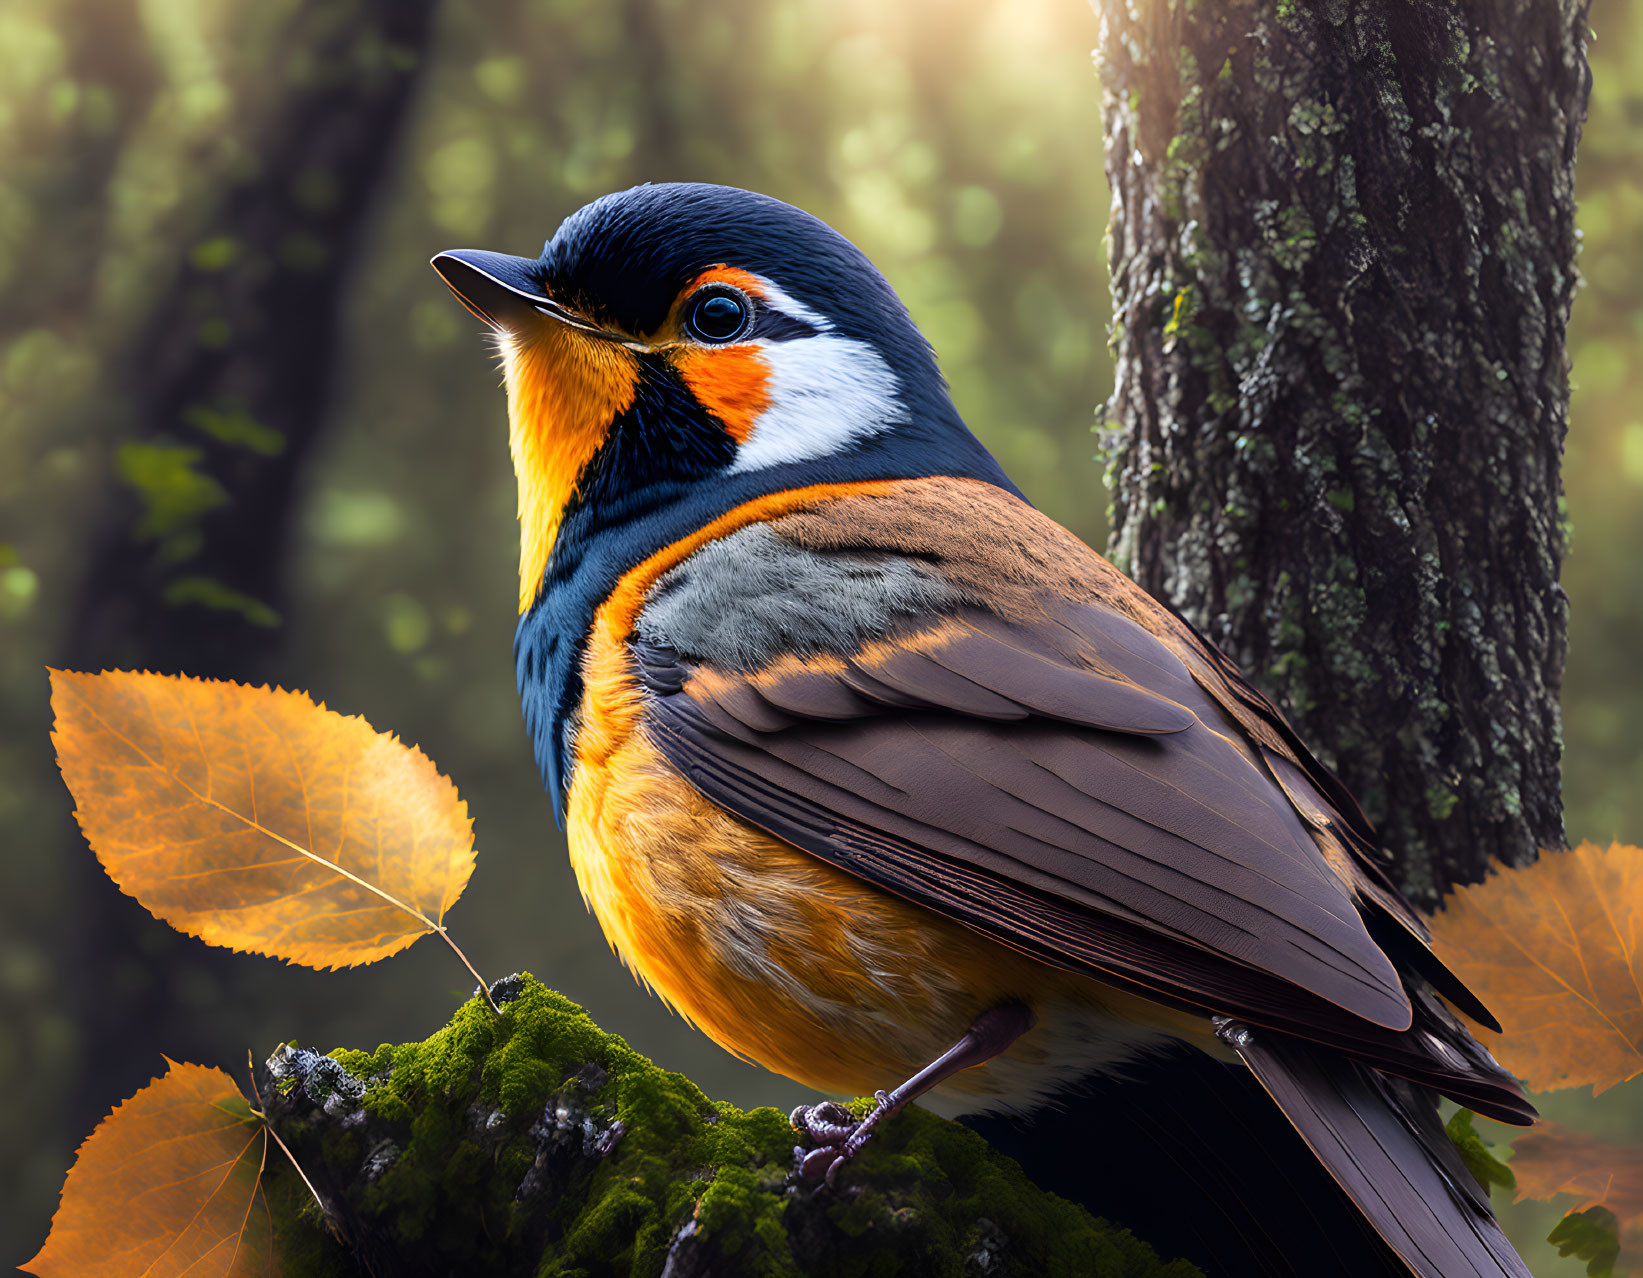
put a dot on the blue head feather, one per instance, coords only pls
(624, 259)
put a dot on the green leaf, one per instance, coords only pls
(175, 495)
(1488, 1170)
(216, 254)
(1592, 1235)
(209, 593)
(236, 428)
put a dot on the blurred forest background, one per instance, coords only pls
(245, 431)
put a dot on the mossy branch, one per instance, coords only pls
(534, 1143)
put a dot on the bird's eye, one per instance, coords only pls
(718, 313)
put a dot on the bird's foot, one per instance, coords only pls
(836, 1135)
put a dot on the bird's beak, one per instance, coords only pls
(504, 291)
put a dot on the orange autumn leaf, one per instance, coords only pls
(257, 820)
(168, 1184)
(1551, 1160)
(1555, 949)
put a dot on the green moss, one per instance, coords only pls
(1181, 312)
(306, 1247)
(1440, 800)
(1289, 234)
(533, 1142)
(1312, 126)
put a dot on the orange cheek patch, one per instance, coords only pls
(744, 280)
(731, 382)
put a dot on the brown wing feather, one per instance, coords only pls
(1000, 551)
(1058, 766)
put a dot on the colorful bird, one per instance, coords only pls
(878, 775)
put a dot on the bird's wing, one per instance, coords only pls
(1036, 756)
(1385, 1146)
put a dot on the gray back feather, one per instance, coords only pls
(742, 601)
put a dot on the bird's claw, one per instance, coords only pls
(812, 1165)
(826, 1124)
(837, 1136)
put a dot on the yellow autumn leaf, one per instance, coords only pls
(1555, 949)
(169, 1184)
(255, 819)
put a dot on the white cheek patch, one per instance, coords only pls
(777, 298)
(825, 392)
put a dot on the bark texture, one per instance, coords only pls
(1342, 251)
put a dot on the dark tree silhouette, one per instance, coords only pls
(1342, 261)
(227, 377)
(234, 360)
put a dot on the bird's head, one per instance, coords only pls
(677, 336)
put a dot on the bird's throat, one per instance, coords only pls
(564, 392)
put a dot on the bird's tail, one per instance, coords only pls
(1381, 1141)
(1193, 1155)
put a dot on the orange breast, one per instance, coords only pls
(774, 954)
(785, 960)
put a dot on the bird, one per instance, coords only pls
(890, 784)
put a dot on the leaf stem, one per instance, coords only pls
(268, 1127)
(389, 897)
(484, 985)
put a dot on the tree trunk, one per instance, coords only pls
(1342, 261)
(227, 377)
(231, 367)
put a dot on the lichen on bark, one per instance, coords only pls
(531, 1142)
(1342, 251)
